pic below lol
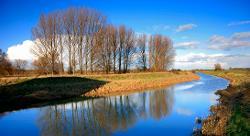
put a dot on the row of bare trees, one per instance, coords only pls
(83, 38)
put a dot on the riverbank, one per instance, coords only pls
(232, 115)
(128, 83)
(24, 92)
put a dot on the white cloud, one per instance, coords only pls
(185, 112)
(186, 45)
(21, 51)
(207, 61)
(241, 35)
(241, 39)
(185, 27)
(239, 23)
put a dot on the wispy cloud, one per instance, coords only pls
(203, 60)
(241, 39)
(242, 35)
(185, 27)
(239, 23)
(186, 45)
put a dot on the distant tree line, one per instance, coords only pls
(7, 67)
(217, 67)
(81, 40)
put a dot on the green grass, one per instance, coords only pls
(239, 123)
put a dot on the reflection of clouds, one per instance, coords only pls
(68, 106)
(188, 85)
(192, 97)
(183, 111)
(184, 87)
(199, 83)
(213, 99)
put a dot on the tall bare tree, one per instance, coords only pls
(122, 34)
(113, 36)
(129, 49)
(96, 22)
(60, 40)
(161, 53)
(141, 44)
(46, 40)
(82, 22)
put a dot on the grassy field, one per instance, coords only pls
(22, 92)
(232, 115)
(236, 77)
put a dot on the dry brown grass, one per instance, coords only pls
(236, 77)
(128, 83)
(24, 91)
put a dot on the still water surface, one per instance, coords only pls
(169, 111)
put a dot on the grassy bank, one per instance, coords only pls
(128, 83)
(232, 115)
(17, 93)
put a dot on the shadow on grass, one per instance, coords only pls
(44, 91)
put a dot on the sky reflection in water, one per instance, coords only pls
(169, 111)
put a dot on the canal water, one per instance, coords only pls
(168, 111)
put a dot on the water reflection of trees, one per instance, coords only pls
(105, 115)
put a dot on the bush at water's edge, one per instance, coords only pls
(232, 115)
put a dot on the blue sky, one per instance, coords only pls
(199, 29)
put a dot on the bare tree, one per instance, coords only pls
(96, 22)
(129, 49)
(5, 65)
(108, 47)
(217, 67)
(141, 43)
(60, 34)
(20, 65)
(122, 32)
(46, 45)
(161, 53)
(41, 65)
(113, 35)
(82, 23)
(98, 48)
(68, 22)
